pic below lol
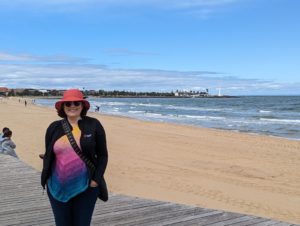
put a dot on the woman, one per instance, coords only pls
(72, 186)
(7, 145)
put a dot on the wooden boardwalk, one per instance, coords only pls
(23, 203)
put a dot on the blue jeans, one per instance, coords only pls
(77, 211)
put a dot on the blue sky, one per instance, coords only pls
(244, 47)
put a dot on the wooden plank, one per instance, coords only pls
(209, 219)
(186, 219)
(167, 218)
(134, 214)
(267, 223)
(254, 221)
(232, 221)
(281, 224)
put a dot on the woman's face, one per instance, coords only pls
(73, 109)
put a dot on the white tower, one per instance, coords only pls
(219, 94)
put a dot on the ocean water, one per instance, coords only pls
(269, 115)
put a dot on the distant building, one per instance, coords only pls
(191, 93)
(43, 91)
(18, 91)
(92, 92)
(4, 91)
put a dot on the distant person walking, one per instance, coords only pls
(25, 102)
(7, 145)
(74, 162)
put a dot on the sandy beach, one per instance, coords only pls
(245, 173)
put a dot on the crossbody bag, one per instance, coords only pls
(103, 192)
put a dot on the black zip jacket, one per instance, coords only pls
(92, 142)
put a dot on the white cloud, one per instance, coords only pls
(27, 57)
(64, 76)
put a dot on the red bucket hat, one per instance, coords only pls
(72, 95)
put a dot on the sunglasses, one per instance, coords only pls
(70, 103)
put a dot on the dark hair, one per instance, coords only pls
(7, 133)
(61, 113)
(4, 129)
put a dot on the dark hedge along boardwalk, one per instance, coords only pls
(23, 203)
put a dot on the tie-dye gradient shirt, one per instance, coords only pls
(69, 173)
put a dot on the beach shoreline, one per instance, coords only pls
(220, 169)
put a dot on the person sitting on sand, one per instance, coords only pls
(8, 145)
(1, 136)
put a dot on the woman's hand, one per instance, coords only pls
(93, 184)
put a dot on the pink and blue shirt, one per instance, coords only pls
(69, 173)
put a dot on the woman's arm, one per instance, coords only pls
(102, 153)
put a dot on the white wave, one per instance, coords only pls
(201, 117)
(135, 112)
(153, 114)
(193, 108)
(280, 120)
(264, 111)
(145, 105)
(113, 103)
